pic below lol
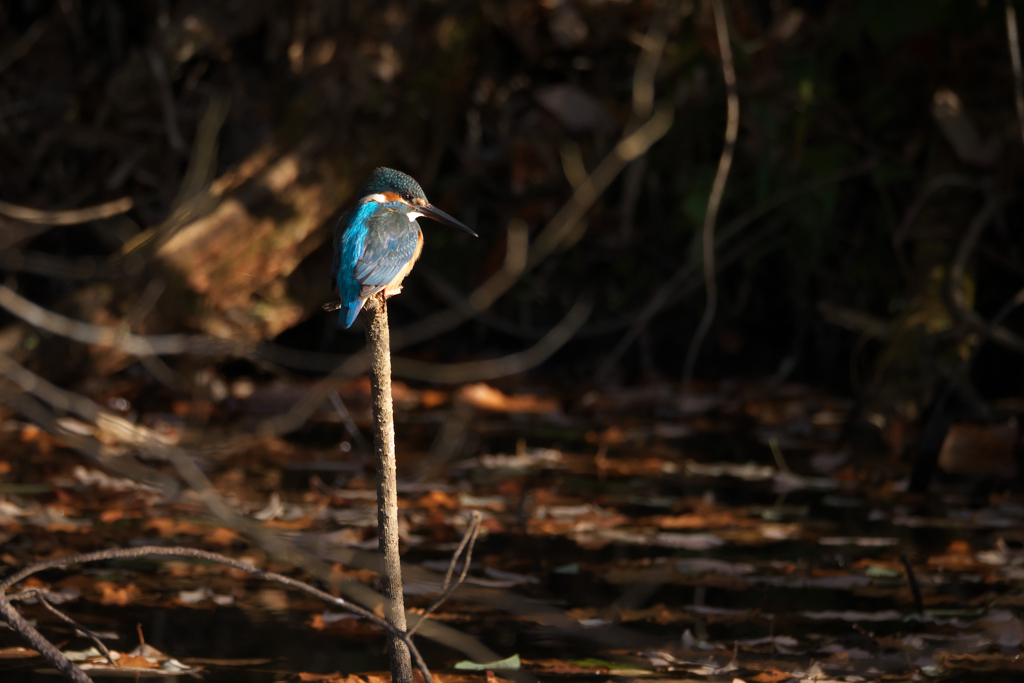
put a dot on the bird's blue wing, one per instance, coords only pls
(371, 246)
(349, 237)
(390, 245)
(341, 237)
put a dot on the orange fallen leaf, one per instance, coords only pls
(126, 660)
(958, 557)
(980, 661)
(113, 594)
(709, 520)
(434, 500)
(431, 398)
(335, 677)
(298, 524)
(31, 433)
(771, 676)
(488, 398)
(222, 537)
(492, 526)
(111, 516)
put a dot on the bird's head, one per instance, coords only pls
(388, 186)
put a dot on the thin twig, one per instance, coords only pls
(915, 588)
(780, 460)
(956, 299)
(652, 48)
(933, 185)
(22, 45)
(40, 644)
(115, 337)
(651, 51)
(854, 320)
(67, 216)
(130, 261)
(346, 419)
(1018, 75)
(202, 163)
(159, 69)
(902, 233)
(38, 594)
(476, 371)
(448, 588)
(717, 190)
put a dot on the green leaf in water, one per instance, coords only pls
(510, 664)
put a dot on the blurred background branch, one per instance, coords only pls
(732, 126)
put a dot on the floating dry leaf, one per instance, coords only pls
(488, 398)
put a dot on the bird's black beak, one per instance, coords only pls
(431, 211)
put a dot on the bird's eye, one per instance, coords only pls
(406, 196)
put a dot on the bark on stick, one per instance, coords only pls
(378, 343)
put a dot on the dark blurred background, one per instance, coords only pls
(873, 135)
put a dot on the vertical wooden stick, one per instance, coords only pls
(378, 343)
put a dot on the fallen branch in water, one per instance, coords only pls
(72, 671)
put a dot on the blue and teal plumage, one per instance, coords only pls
(377, 241)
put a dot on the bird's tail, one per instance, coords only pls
(349, 311)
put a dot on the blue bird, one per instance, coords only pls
(377, 242)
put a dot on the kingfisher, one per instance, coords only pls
(377, 242)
